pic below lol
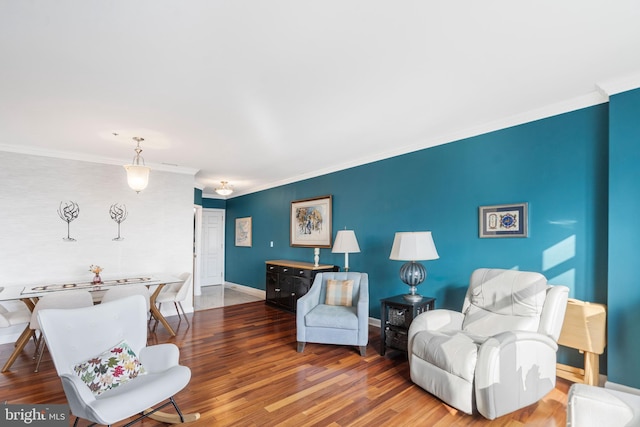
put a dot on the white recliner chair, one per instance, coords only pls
(611, 406)
(497, 355)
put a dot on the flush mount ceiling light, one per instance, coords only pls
(225, 190)
(137, 174)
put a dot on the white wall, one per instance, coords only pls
(158, 232)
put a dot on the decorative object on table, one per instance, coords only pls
(346, 243)
(225, 189)
(96, 270)
(316, 257)
(243, 231)
(310, 223)
(412, 247)
(68, 211)
(118, 213)
(137, 174)
(503, 220)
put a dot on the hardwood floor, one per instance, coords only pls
(246, 372)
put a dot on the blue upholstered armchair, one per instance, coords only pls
(335, 311)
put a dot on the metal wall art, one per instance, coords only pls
(118, 213)
(68, 211)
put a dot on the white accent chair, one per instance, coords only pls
(62, 300)
(74, 336)
(497, 355)
(611, 406)
(176, 293)
(318, 322)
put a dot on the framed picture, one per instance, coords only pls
(243, 231)
(310, 225)
(504, 220)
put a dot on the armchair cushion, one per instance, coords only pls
(110, 368)
(332, 316)
(339, 292)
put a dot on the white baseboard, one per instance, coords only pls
(246, 289)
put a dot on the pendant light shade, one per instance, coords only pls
(137, 174)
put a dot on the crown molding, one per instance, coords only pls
(577, 103)
(619, 85)
(93, 159)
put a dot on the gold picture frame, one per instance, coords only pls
(310, 222)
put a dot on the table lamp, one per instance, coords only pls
(346, 243)
(412, 247)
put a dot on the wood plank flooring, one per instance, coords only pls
(246, 372)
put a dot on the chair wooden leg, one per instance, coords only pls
(363, 350)
(20, 344)
(301, 346)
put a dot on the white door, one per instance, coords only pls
(212, 256)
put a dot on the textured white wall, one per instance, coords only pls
(158, 232)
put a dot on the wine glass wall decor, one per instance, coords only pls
(68, 211)
(118, 213)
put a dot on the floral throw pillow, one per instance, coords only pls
(109, 369)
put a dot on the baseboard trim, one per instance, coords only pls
(246, 289)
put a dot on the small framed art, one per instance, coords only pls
(243, 231)
(310, 223)
(504, 220)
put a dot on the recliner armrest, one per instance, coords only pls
(160, 357)
(514, 369)
(433, 320)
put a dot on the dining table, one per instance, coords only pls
(29, 295)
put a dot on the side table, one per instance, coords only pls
(396, 315)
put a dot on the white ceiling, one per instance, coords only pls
(264, 92)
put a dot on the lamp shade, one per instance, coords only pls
(345, 242)
(413, 246)
(137, 177)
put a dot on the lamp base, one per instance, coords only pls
(412, 296)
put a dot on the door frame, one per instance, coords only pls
(197, 249)
(223, 212)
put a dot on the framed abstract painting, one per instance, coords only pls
(310, 223)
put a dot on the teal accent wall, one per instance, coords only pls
(213, 203)
(558, 165)
(624, 233)
(206, 202)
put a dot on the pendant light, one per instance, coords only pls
(225, 190)
(137, 174)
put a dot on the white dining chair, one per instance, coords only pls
(13, 314)
(62, 300)
(176, 293)
(123, 291)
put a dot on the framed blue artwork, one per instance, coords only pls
(504, 220)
